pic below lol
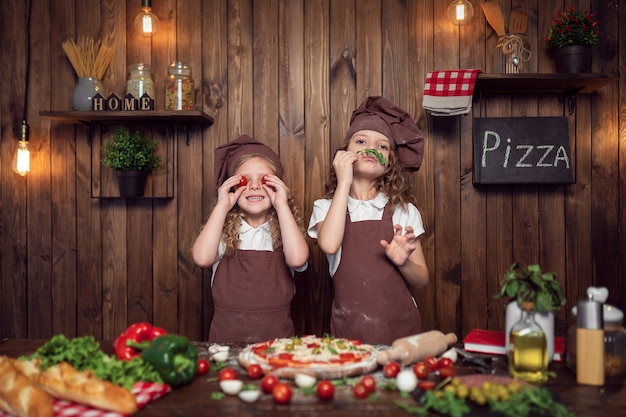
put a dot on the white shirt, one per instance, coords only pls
(251, 238)
(361, 210)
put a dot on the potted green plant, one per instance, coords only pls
(530, 284)
(571, 36)
(133, 155)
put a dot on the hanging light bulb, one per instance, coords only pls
(146, 22)
(21, 159)
(460, 12)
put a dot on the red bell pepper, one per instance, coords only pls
(134, 339)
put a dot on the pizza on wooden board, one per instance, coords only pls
(322, 357)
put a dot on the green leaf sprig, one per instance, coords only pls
(534, 286)
(374, 154)
(529, 400)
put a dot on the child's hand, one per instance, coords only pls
(342, 164)
(276, 189)
(401, 246)
(229, 191)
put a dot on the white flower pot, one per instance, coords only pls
(544, 320)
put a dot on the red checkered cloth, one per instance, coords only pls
(145, 392)
(449, 93)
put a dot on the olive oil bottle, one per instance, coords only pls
(528, 348)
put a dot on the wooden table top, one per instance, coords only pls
(196, 398)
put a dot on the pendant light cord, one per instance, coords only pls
(27, 74)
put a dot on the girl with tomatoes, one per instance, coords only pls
(369, 226)
(254, 241)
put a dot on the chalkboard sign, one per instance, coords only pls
(522, 150)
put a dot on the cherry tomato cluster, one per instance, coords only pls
(444, 366)
(365, 387)
(282, 392)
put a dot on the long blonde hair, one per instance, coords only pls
(230, 233)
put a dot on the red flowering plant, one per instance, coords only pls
(572, 27)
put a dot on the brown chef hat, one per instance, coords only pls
(228, 155)
(379, 114)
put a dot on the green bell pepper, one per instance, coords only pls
(174, 357)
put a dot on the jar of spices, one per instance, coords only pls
(140, 80)
(179, 87)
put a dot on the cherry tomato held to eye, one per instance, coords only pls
(263, 180)
(325, 390)
(243, 181)
(281, 393)
(391, 369)
(255, 371)
(203, 366)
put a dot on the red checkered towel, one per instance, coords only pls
(449, 93)
(145, 392)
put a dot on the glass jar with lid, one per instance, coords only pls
(179, 87)
(140, 80)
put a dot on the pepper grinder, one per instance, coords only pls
(589, 342)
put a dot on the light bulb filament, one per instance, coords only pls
(147, 23)
(22, 159)
(460, 11)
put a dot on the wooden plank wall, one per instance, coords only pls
(289, 73)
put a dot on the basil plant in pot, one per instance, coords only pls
(530, 284)
(133, 156)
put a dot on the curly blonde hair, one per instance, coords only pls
(394, 182)
(230, 233)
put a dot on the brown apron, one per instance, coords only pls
(371, 301)
(252, 293)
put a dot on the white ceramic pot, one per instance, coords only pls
(545, 320)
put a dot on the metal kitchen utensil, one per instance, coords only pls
(493, 13)
(483, 364)
(518, 22)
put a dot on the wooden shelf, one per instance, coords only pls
(137, 117)
(567, 84)
(90, 118)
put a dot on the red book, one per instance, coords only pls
(492, 341)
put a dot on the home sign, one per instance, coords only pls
(522, 150)
(128, 103)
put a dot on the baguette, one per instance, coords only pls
(18, 395)
(64, 382)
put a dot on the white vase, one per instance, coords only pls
(545, 320)
(85, 90)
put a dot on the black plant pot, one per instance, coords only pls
(573, 59)
(132, 183)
